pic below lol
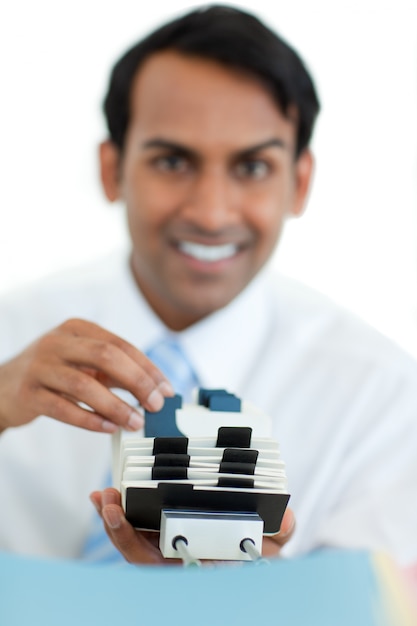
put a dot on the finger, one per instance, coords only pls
(119, 368)
(287, 528)
(271, 545)
(80, 387)
(65, 411)
(83, 329)
(95, 498)
(110, 495)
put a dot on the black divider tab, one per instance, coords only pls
(240, 455)
(234, 437)
(237, 468)
(172, 460)
(144, 504)
(169, 473)
(170, 445)
(236, 483)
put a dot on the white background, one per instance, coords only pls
(358, 240)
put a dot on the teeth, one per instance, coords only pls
(208, 254)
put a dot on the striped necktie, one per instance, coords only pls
(169, 357)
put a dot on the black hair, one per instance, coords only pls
(233, 38)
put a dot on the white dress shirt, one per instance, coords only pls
(343, 401)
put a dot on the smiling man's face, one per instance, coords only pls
(208, 176)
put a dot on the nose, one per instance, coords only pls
(211, 202)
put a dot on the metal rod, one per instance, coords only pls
(180, 544)
(248, 546)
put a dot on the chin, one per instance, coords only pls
(207, 303)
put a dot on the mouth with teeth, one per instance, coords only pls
(208, 254)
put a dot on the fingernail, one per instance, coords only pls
(96, 506)
(166, 388)
(109, 427)
(155, 400)
(112, 518)
(135, 421)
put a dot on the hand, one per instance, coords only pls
(140, 547)
(78, 362)
(136, 546)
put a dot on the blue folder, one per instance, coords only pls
(326, 588)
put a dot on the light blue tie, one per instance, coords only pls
(169, 357)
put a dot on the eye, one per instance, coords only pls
(175, 163)
(254, 169)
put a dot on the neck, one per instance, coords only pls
(173, 317)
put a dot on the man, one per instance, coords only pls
(209, 123)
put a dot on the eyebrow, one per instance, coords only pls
(274, 142)
(270, 143)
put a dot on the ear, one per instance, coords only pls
(109, 156)
(303, 171)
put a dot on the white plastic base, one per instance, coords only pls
(216, 536)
